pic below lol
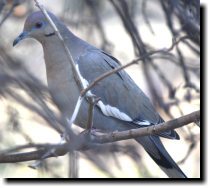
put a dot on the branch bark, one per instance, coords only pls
(150, 130)
(98, 138)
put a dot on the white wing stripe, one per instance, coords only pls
(84, 81)
(144, 122)
(106, 109)
(113, 111)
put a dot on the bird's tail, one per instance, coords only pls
(156, 150)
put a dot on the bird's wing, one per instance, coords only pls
(119, 96)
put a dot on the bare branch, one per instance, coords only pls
(60, 150)
(92, 102)
(103, 76)
(150, 130)
(71, 61)
(98, 138)
(10, 11)
(68, 53)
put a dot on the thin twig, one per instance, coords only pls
(92, 102)
(73, 164)
(103, 76)
(71, 61)
(145, 16)
(68, 53)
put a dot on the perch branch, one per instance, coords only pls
(98, 138)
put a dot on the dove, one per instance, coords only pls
(122, 105)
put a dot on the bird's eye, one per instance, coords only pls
(38, 25)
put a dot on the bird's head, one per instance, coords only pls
(36, 26)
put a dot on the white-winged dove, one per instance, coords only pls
(122, 104)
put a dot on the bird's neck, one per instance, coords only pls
(56, 60)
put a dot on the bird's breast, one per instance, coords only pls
(60, 79)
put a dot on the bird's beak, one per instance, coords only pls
(23, 35)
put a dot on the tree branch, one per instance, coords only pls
(68, 53)
(97, 138)
(150, 130)
(105, 75)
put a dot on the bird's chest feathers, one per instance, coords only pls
(57, 64)
(59, 73)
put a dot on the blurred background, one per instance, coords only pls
(127, 29)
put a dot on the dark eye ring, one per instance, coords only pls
(38, 25)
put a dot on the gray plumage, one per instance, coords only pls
(122, 106)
